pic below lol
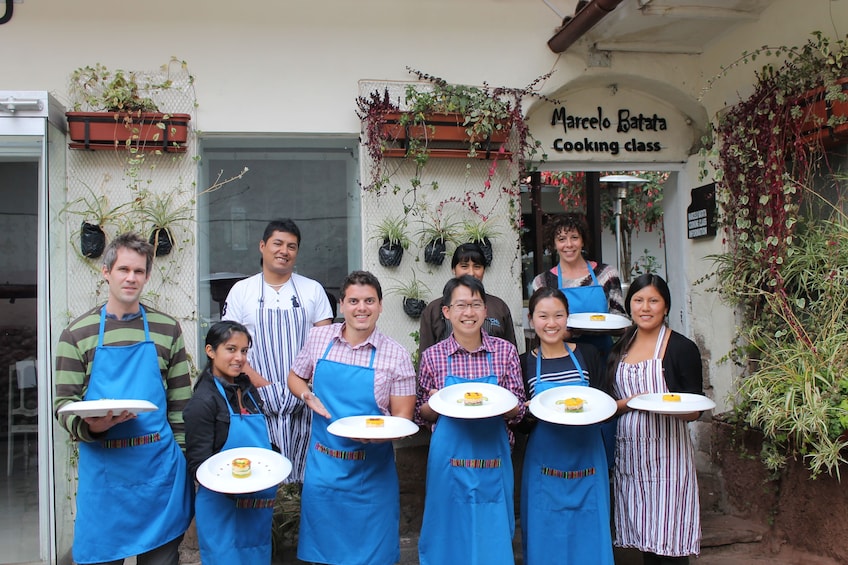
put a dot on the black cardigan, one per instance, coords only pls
(682, 365)
(207, 417)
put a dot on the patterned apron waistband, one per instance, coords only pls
(131, 442)
(476, 463)
(547, 471)
(339, 453)
(253, 503)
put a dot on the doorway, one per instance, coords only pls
(32, 153)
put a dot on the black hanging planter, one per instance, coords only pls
(413, 307)
(161, 240)
(92, 240)
(390, 255)
(434, 252)
(486, 248)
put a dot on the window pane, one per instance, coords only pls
(312, 181)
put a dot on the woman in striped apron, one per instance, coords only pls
(656, 488)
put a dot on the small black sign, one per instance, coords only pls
(701, 214)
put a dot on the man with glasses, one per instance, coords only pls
(468, 510)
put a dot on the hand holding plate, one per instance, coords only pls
(100, 424)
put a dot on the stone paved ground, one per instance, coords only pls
(726, 540)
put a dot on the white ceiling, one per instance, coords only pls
(671, 26)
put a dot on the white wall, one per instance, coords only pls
(271, 66)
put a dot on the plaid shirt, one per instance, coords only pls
(470, 365)
(393, 371)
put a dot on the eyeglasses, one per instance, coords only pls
(463, 306)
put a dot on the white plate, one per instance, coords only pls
(688, 403)
(267, 468)
(583, 321)
(354, 427)
(496, 401)
(98, 408)
(597, 405)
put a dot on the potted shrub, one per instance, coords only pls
(115, 109)
(435, 238)
(480, 232)
(415, 295)
(391, 232)
(441, 119)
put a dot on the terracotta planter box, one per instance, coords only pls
(817, 112)
(444, 134)
(114, 130)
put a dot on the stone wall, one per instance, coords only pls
(800, 511)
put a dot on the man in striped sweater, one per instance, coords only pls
(133, 495)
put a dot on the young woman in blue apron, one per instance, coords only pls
(565, 502)
(350, 506)
(231, 529)
(135, 477)
(469, 487)
(596, 290)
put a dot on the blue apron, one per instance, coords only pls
(469, 515)
(592, 298)
(565, 500)
(350, 506)
(236, 529)
(133, 493)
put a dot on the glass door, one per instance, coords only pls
(31, 158)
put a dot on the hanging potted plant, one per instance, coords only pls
(115, 110)
(163, 214)
(441, 119)
(435, 238)
(391, 232)
(415, 294)
(96, 215)
(482, 233)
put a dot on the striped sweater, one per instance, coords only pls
(75, 356)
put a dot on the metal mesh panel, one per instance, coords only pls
(120, 182)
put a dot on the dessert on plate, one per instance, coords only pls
(241, 467)
(374, 422)
(472, 399)
(572, 404)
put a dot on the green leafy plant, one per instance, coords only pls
(484, 112)
(478, 231)
(98, 88)
(645, 263)
(786, 266)
(435, 236)
(393, 231)
(414, 293)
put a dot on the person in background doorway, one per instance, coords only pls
(133, 492)
(225, 412)
(467, 259)
(350, 508)
(278, 307)
(589, 286)
(469, 514)
(565, 499)
(656, 488)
